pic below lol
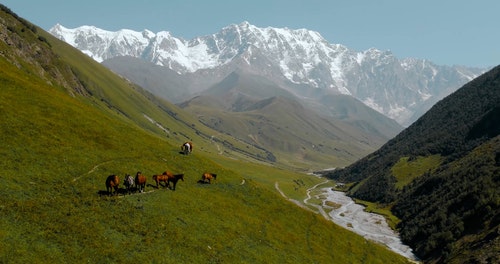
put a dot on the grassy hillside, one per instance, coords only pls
(292, 135)
(441, 176)
(67, 123)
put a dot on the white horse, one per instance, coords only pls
(129, 183)
(187, 147)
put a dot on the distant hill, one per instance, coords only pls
(157, 79)
(261, 113)
(442, 176)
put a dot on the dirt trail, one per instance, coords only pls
(92, 170)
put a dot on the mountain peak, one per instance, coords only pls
(245, 25)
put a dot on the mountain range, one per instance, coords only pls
(300, 61)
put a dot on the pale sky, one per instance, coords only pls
(446, 32)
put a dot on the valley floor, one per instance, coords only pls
(342, 210)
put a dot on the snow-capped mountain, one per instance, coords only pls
(402, 89)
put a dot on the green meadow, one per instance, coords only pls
(58, 147)
(57, 153)
(406, 170)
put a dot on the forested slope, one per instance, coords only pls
(455, 211)
(451, 202)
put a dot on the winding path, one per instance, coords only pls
(276, 185)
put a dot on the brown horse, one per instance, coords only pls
(140, 181)
(162, 178)
(112, 182)
(208, 176)
(187, 147)
(173, 178)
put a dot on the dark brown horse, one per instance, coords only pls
(208, 177)
(173, 178)
(140, 181)
(187, 147)
(112, 182)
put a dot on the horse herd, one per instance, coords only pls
(139, 182)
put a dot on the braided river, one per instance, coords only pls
(336, 206)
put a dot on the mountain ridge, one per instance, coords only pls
(298, 60)
(441, 176)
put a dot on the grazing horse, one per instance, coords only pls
(112, 182)
(140, 181)
(187, 147)
(129, 183)
(173, 178)
(162, 178)
(208, 176)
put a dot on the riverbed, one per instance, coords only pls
(352, 216)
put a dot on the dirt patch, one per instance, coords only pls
(333, 205)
